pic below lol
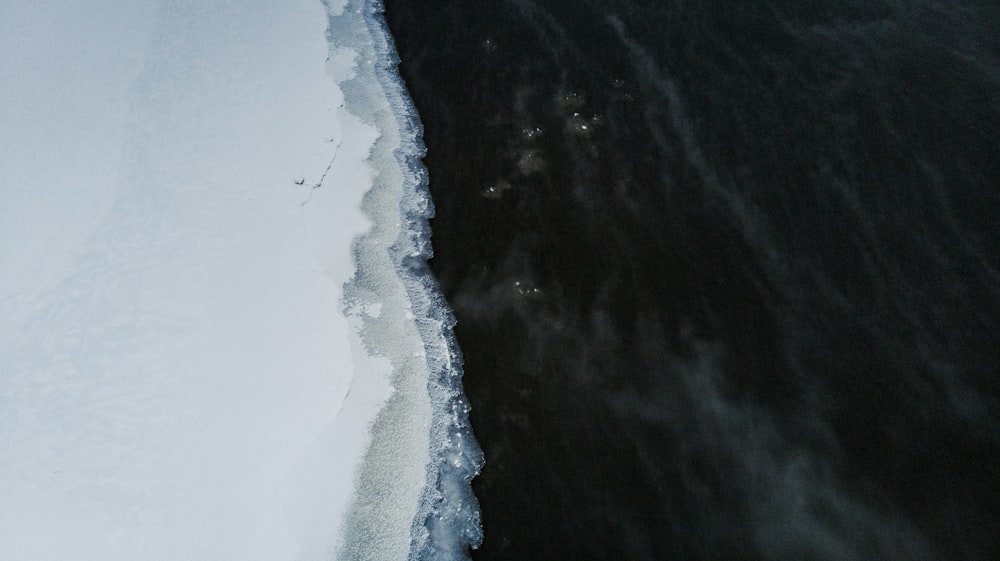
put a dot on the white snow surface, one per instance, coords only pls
(178, 380)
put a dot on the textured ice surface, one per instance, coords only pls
(417, 471)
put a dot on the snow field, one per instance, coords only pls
(180, 193)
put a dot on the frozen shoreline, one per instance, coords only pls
(418, 471)
(178, 215)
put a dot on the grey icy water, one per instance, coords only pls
(726, 273)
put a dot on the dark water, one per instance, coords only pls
(727, 274)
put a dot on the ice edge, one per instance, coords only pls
(447, 519)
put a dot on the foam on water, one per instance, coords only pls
(413, 497)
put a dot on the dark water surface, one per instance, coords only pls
(727, 274)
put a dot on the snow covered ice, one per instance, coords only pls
(186, 190)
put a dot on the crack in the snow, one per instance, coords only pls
(322, 178)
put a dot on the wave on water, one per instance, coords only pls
(401, 315)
